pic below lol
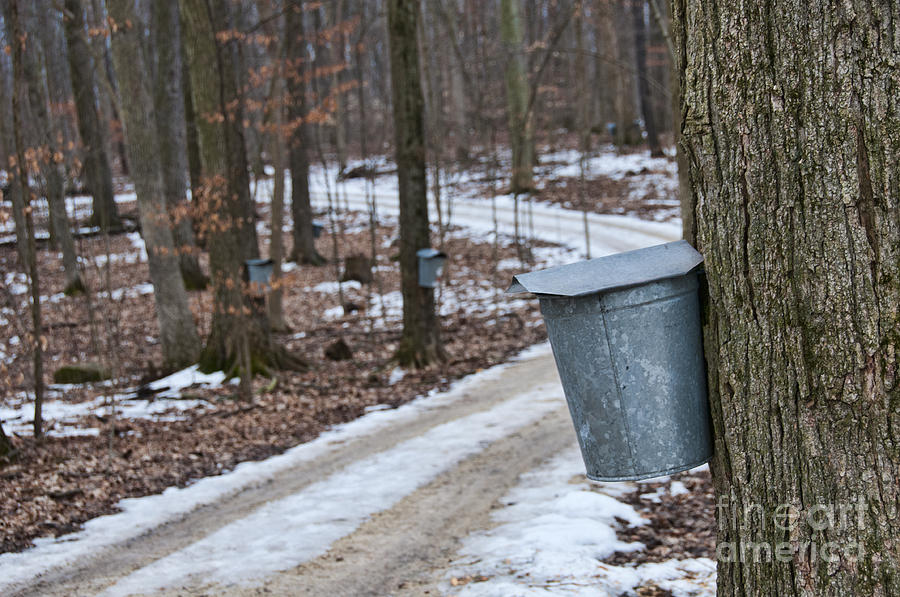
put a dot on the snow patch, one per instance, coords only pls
(551, 534)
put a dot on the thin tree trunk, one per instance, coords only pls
(304, 250)
(106, 70)
(435, 126)
(790, 119)
(195, 166)
(276, 242)
(19, 48)
(171, 130)
(50, 157)
(96, 162)
(617, 46)
(456, 81)
(583, 125)
(336, 47)
(420, 343)
(521, 126)
(178, 334)
(640, 58)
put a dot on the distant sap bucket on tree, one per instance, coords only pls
(259, 271)
(626, 336)
(431, 265)
(317, 229)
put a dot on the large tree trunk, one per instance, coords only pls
(304, 250)
(791, 119)
(239, 322)
(420, 343)
(178, 334)
(96, 162)
(172, 132)
(521, 123)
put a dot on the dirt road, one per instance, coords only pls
(378, 513)
(399, 550)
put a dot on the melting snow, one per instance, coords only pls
(552, 534)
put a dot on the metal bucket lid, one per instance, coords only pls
(603, 274)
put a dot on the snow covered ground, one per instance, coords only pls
(554, 528)
(63, 418)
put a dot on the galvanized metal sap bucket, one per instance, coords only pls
(625, 332)
(431, 264)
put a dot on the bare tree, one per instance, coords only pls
(19, 40)
(48, 153)
(521, 125)
(97, 172)
(299, 143)
(643, 83)
(420, 343)
(178, 333)
(240, 326)
(172, 133)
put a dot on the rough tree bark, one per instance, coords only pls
(178, 334)
(171, 130)
(420, 343)
(521, 123)
(791, 121)
(304, 250)
(96, 162)
(238, 321)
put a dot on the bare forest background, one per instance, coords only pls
(155, 125)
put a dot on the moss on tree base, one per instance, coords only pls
(262, 361)
(81, 373)
(75, 287)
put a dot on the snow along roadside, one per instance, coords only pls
(287, 532)
(556, 528)
(141, 515)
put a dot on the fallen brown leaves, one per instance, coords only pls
(55, 485)
(680, 526)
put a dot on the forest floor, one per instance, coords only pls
(109, 441)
